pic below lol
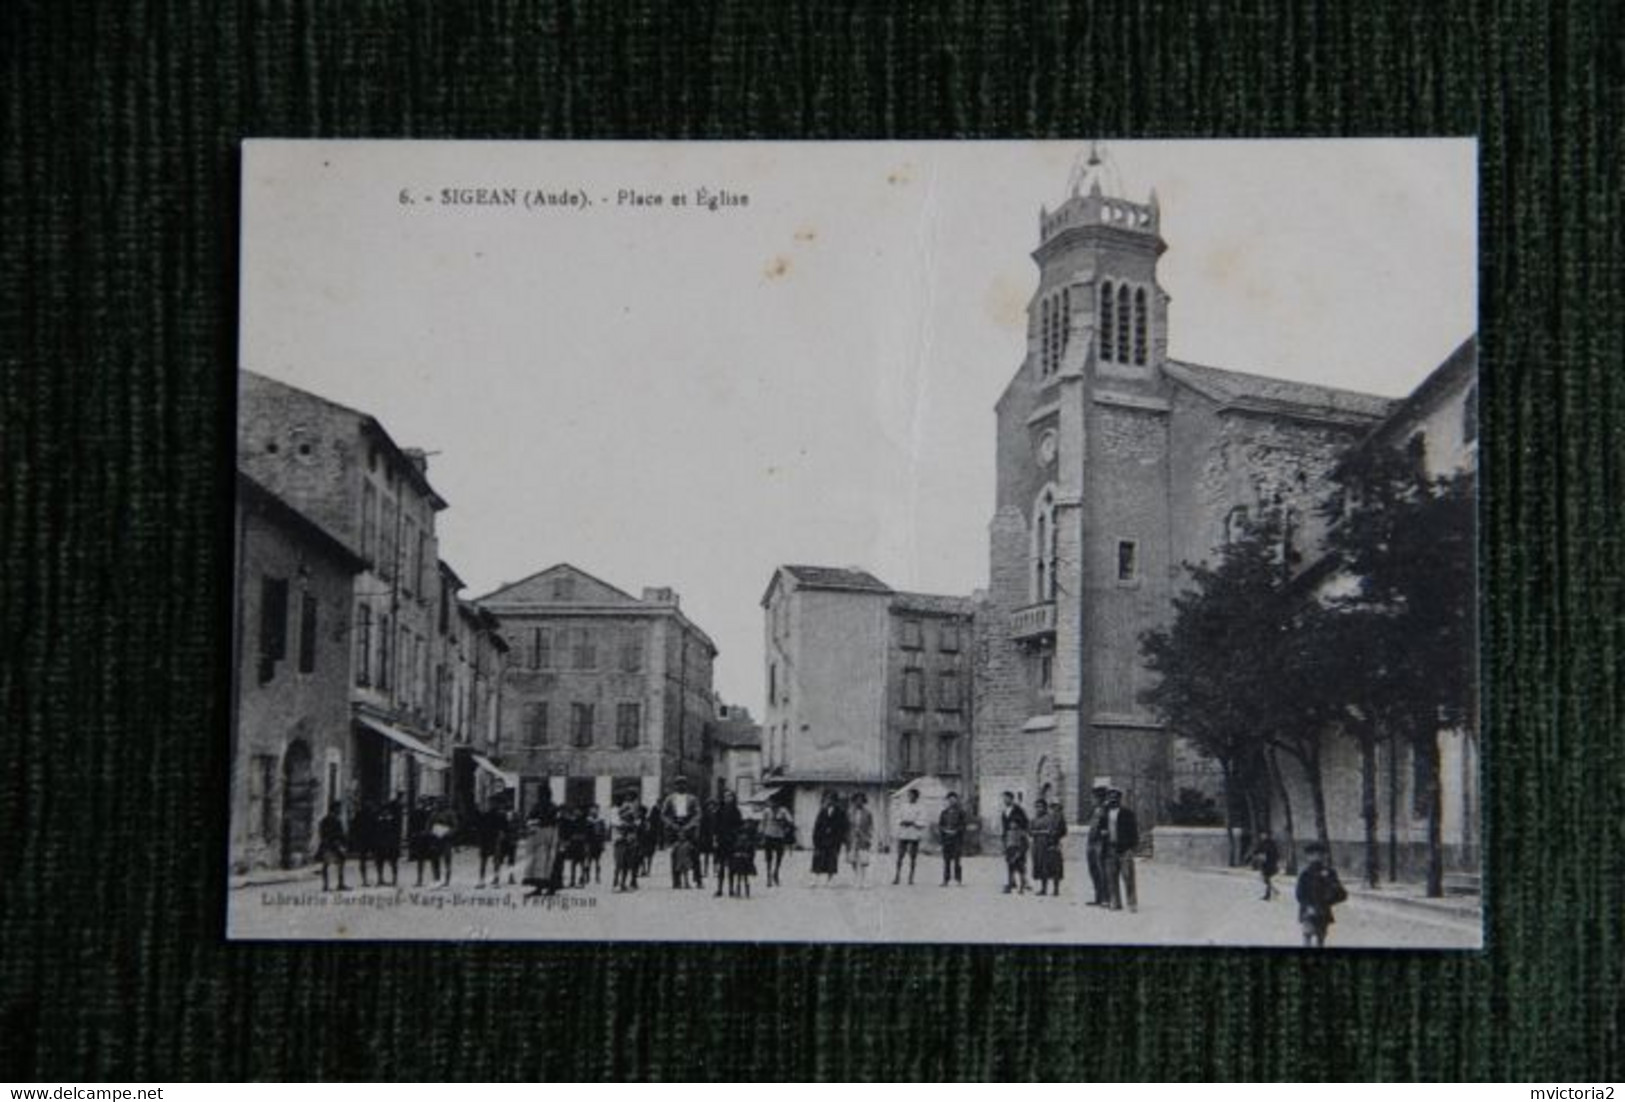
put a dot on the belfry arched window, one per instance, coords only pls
(1123, 320)
(1139, 325)
(1107, 310)
(1043, 337)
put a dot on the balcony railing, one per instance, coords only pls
(1033, 621)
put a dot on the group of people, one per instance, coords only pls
(1112, 838)
(374, 838)
(847, 827)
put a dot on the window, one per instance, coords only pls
(772, 683)
(913, 635)
(386, 538)
(1046, 671)
(406, 661)
(948, 753)
(307, 634)
(273, 625)
(445, 604)
(1122, 325)
(385, 639)
(412, 548)
(628, 725)
(1107, 338)
(564, 588)
(1043, 337)
(536, 731)
(584, 650)
(541, 649)
(948, 691)
(1469, 417)
(1128, 565)
(1043, 548)
(914, 688)
(581, 725)
(948, 638)
(369, 520)
(1235, 524)
(1139, 325)
(420, 559)
(909, 751)
(363, 645)
(632, 651)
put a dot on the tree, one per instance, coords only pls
(1229, 664)
(1404, 540)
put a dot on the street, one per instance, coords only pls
(1177, 907)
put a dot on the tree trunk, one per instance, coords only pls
(1427, 746)
(1368, 804)
(1229, 818)
(1317, 795)
(1274, 767)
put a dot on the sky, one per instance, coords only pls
(675, 395)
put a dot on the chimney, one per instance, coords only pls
(418, 458)
(659, 595)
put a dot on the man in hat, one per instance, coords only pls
(951, 833)
(1095, 848)
(1122, 837)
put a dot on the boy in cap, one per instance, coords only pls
(1319, 890)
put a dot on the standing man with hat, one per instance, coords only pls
(1122, 837)
(680, 818)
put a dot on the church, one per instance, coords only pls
(1115, 466)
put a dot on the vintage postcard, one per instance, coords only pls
(1011, 542)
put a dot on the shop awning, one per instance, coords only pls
(427, 755)
(509, 779)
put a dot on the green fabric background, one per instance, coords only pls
(118, 269)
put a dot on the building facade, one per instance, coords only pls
(341, 468)
(736, 753)
(604, 693)
(1115, 466)
(868, 688)
(291, 679)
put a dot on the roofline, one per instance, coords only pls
(557, 566)
(825, 587)
(369, 423)
(1458, 363)
(564, 610)
(1180, 371)
(248, 486)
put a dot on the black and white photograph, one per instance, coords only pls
(1064, 543)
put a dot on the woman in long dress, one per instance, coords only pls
(829, 835)
(541, 867)
(1047, 830)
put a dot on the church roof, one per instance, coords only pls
(1263, 394)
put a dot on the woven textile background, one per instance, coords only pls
(118, 292)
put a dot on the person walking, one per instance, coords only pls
(1266, 858)
(908, 827)
(1048, 828)
(1319, 890)
(705, 841)
(419, 842)
(829, 835)
(489, 827)
(330, 843)
(860, 838)
(725, 835)
(951, 833)
(778, 831)
(442, 831)
(1095, 844)
(1013, 829)
(1122, 837)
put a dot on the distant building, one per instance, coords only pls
(290, 679)
(867, 688)
(342, 469)
(604, 692)
(736, 753)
